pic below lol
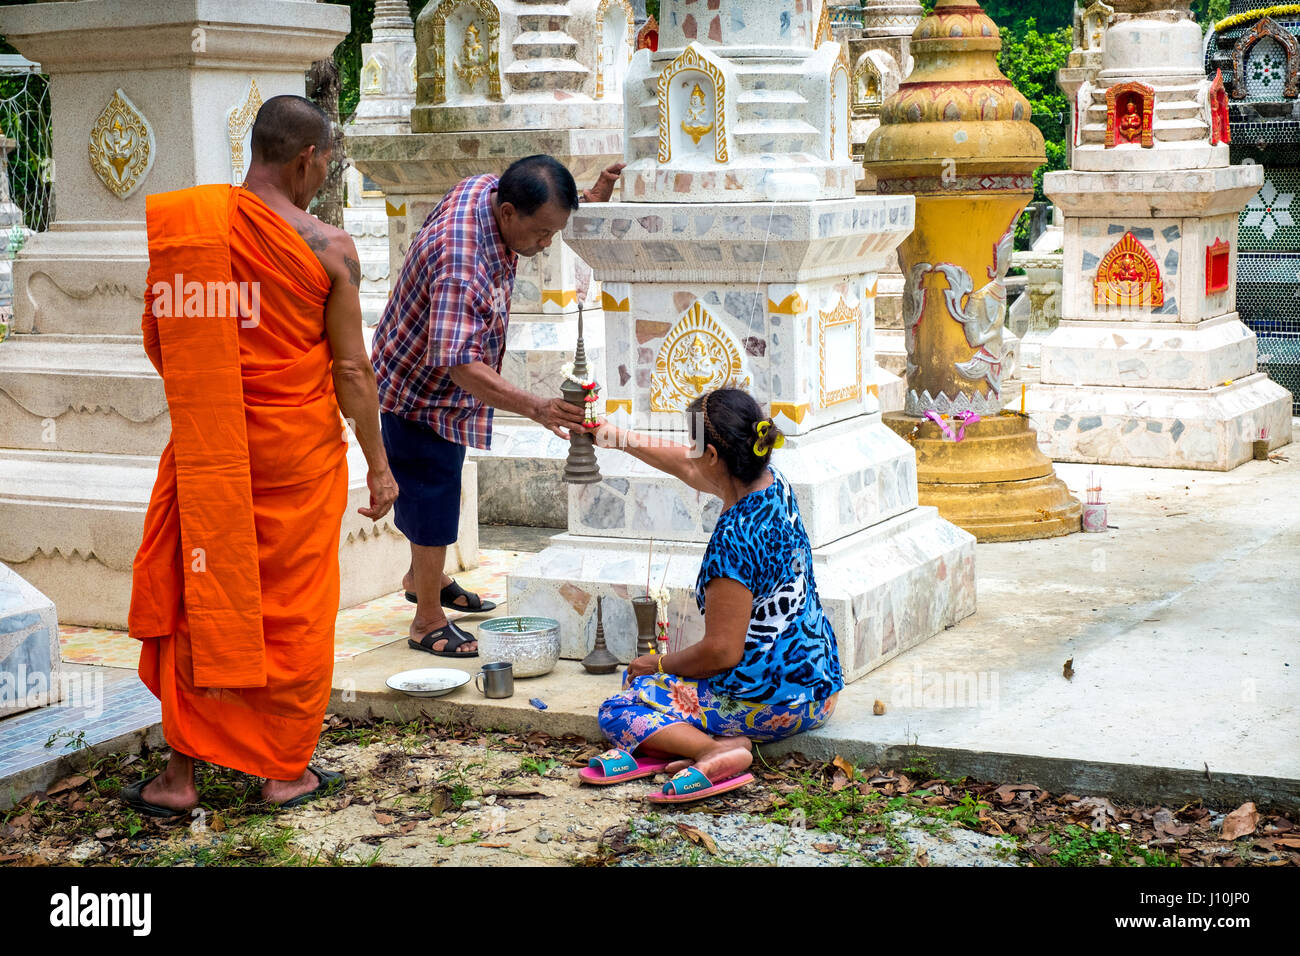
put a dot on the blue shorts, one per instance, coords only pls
(427, 469)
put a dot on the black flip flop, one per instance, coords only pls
(328, 782)
(447, 596)
(454, 636)
(133, 796)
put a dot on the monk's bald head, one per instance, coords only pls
(285, 126)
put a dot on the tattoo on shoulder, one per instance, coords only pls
(316, 240)
(354, 270)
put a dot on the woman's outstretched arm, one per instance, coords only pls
(669, 457)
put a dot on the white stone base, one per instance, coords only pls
(73, 524)
(886, 589)
(30, 661)
(848, 475)
(520, 479)
(1149, 355)
(1211, 429)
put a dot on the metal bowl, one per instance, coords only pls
(531, 644)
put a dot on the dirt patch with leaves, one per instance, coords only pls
(421, 793)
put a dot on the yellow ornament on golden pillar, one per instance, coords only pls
(957, 135)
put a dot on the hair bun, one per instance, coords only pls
(766, 437)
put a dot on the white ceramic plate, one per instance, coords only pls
(428, 681)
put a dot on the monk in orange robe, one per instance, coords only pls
(253, 319)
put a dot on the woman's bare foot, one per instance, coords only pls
(724, 762)
(730, 743)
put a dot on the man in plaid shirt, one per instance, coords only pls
(437, 354)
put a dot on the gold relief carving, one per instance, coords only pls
(630, 20)
(690, 59)
(1128, 275)
(394, 210)
(839, 317)
(791, 410)
(491, 63)
(868, 88)
(239, 120)
(611, 304)
(372, 77)
(823, 25)
(121, 146)
(696, 125)
(472, 65)
(697, 355)
(613, 405)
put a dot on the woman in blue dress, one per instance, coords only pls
(768, 666)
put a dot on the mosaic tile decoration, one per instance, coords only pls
(1268, 300)
(361, 628)
(1271, 219)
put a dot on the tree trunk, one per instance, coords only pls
(323, 90)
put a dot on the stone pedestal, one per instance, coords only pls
(30, 662)
(543, 79)
(958, 136)
(82, 414)
(772, 290)
(1150, 364)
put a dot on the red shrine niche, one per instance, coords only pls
(1220, 131)
(1129, 108)
(1128, 275)
(1216, 266)
(647, 38)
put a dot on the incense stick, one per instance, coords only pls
(648, 559)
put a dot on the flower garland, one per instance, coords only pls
(1239, 18)
(589, 390)
(661, 597)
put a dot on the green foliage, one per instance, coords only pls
(1080, 847)
(1209, 12)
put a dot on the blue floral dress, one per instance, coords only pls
(790, 667)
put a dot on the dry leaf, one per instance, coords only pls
(494, 846)
(104, 833)
(384, 818)
(66, 784)
(843, 765)
(699, 837)
(1290, 842)
(217, 823)
(922, 857)
(878, 708)
(1240, 822)
(1100, 809)
(825, 847)
(839, 782)
(408, 826)
(1068, 670)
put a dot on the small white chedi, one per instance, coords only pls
(740, 255)
(1150, 364)
(498, 80)
(83, 416)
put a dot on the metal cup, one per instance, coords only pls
(498, 679)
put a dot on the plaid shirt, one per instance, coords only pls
(449, 306)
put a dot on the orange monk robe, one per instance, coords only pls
(235, 588)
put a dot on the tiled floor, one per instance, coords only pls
(360, 628)
(108, 705)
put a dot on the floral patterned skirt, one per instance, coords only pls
(655, 701)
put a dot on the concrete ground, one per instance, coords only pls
(1182, 623)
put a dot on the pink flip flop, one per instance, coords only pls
(616, 766)
(691, 784)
